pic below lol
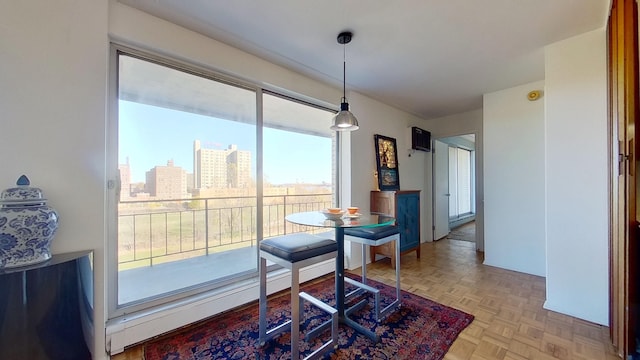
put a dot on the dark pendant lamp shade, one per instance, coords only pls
(344, 119)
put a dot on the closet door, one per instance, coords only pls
(623, 119)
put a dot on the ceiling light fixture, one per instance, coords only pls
(344, 119)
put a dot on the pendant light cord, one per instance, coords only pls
(344, 72)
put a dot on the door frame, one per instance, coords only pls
(478, 193)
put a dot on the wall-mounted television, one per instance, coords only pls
(420, 139)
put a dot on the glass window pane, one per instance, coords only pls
(187, 155)
(464, 181)
(453, 182)
(459, 182)
(299, 161)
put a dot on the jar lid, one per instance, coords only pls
(22, 194)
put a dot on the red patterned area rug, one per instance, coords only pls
(420, 329)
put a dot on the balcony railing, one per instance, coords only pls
(158, 231)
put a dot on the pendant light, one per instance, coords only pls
(344, 119)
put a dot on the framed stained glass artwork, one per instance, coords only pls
(387, 162)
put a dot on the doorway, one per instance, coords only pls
(454, 187)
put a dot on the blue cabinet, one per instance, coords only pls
(404, 205)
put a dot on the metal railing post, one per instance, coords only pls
(150, 239)
(206, 226)
(284, 222)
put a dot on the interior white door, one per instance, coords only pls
(440, 190)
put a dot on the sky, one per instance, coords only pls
(150, 136)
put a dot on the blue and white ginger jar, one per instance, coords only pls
(27, 226)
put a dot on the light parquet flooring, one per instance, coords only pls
(509, 323)
(466, 232)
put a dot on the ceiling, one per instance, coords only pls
(431, 58)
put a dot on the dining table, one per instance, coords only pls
(339, 223)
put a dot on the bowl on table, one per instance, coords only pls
(333, 213)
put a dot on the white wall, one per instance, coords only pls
(459, 124)
(52, 96)
(376, 118)
(576, 177)
(514, 222)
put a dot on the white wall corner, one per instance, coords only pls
(514, 191)
(577, 177)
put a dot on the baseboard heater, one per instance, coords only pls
(133, 329)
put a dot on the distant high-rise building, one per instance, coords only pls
(125, 180)
(215, 168)
(189, 182)
(238, 168)
(167, 182)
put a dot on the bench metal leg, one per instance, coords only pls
(297, 314)
(362, 285)
(398, 270)
(266, 334)
(263, 301)
(365, 247)
(334, 325)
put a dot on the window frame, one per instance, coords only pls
(114, 310)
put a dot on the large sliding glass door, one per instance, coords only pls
(207, 167)
(186, 153)
(298, 161)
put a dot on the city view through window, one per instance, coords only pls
(188, 161)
